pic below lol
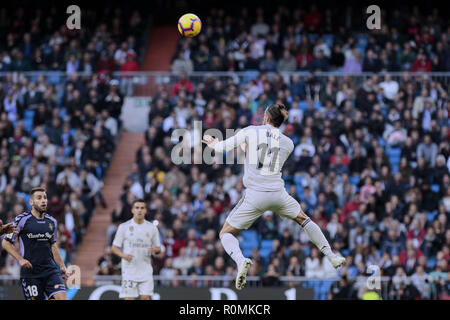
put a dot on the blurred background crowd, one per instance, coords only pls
(371, 162)
(60, 131)
(370, 165)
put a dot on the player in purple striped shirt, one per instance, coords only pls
(39, 255)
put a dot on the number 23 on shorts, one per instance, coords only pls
(129, 283)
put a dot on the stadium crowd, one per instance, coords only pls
(371, 171)
(313, 39)
(370, 166)
(371, 163)
(39, 40)
(59, 132)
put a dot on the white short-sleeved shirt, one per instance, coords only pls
(136, 239)
(267, 150)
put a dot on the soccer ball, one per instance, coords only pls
(189, 25)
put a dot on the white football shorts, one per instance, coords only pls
(134, 289)
(254, 203)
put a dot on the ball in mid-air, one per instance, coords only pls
(189, 25)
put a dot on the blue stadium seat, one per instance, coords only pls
(250, 75)
(317, 105)
(25, 196)
(250, 240)
(63, 254)
(67, 151)
(307, 251)
(303, 105)
(247, 252)
(361, 41)
(312, 37)
(362, 49)
(354, 180)
(395, 167)
(328, 39)
(266, 244)
(324, 289)
(300, 192)
(250, 236)
(298, 180)
(393, 152)
(317, 284)
(394, 155)
(62, 112)
(33, 79)
(60, 98)
(431, 216)
(265, 250)
(28, 114)
(28, 124)
(432, 262)
(54, 79)
(435, 187)
(250, 244)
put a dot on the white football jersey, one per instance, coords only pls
(267, 149)
(136, 239)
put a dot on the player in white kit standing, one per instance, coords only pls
(135, 241)
(266, 151)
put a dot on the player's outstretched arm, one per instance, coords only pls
(225, 145)
(9, 247)
(59, 261)
(7, 228)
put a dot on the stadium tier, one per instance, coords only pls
(368, 117)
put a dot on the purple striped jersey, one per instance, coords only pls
(35, 238)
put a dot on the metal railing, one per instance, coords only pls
(145, 83)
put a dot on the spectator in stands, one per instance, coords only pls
(428, 150)
(371, 62)
(381, 112)
(352, 62)
(182, 84)
(287, 63)
(319, 63)
(304, 58)
(313, 265)
(421, 64)
(268, 64)
(130, 65)
(259, 27)
(182, 64)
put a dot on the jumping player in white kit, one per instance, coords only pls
(266, 151)
(135, 241)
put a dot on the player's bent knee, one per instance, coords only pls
(301, 217)
(228, 229)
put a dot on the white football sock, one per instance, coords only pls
(231, 246)
(316, 236)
